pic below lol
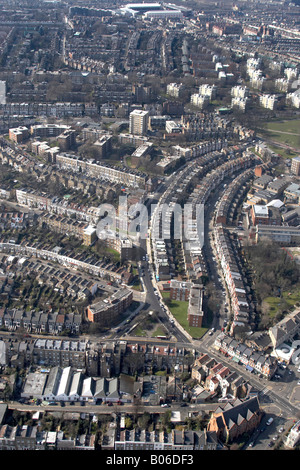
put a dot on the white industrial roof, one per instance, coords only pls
(261, 211)
(275, 203)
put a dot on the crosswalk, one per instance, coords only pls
(265, 390)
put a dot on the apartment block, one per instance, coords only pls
(180, 290)
(269, 101)
(175, 89)
(208, 90)
(107, 311)
(19, 134)
(201, 101)
(138, 122)
(239, 91)
(195, 312)
(295, 167)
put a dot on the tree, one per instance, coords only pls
(128, 422)
(144, 420)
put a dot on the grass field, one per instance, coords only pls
(284, 132)
(288, 299)
(283, 152)
(179, 311)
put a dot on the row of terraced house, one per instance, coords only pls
(239, 296)
(248, 357)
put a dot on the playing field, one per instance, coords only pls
(284, 132)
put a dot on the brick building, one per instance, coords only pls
(235, 419)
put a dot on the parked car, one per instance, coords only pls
(270, 421)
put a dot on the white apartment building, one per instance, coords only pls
(257, 80)
(283, 84)
(201, 101)
(252, 65)
(241, 103)
(138, 122)
(290, 73)
(175, 89)
(293, 436)
(294, 99)
(2, 92)
(239, 91)
(268, 101)
(208, 90)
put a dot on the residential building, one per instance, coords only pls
(180, 290)
(286, 329)
(175, 89)
(18, 134)
(295, 167)
(280, 234)
(269, 101)
(107, 311)
(195, 311)
(138, 122)
(163, 441)
(208, 90)
(293, 436)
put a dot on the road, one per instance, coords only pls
(90, 408)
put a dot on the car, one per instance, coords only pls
(271, 444)
(275, 437)
(270, 421)
(263, 429)
(298, 383)
(251, 444)
(281, 429)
